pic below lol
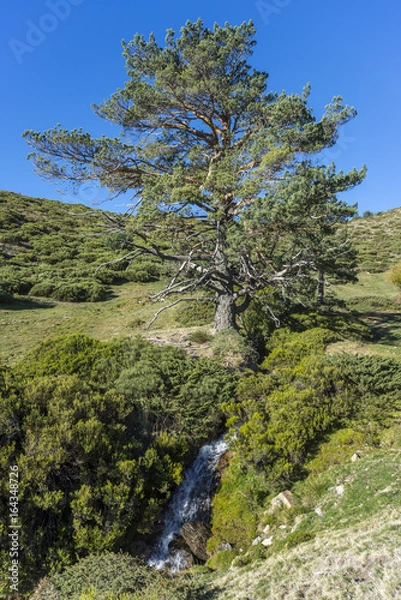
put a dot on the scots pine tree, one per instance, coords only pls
(222, 171)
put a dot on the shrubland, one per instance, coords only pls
(101, 433)
(283, 416)
(294, 423)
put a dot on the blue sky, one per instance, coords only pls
(59, 56)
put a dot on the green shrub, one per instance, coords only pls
(281, 412)
(117, 577)
(370, 386)
(15, 280)
(117, 241)
(114, 577)
(343, 325)
(108, 276)
(336, 451)
(101, 433)
(5, 297)
(234, 518)
(84, 291)
(394, 275)
(43, 289)
(143, 271)
(69, 291)
(200, 337)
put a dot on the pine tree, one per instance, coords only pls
(220, 168)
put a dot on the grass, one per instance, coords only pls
(127, 311)
(377, 302)
(25, 323)
(361, 562)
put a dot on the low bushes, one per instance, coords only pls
(70, 291)
(115, 577)
(302, 412)
(101, 433)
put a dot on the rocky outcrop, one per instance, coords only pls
(196, 535)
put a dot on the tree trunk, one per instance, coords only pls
(224, 317)
(320, 288)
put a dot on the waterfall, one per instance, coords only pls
(190, 501)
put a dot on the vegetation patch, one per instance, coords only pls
(101, 433)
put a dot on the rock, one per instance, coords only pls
(386, 490)
(340, 489)
(257, 540)
(266, 529)
(318, 511)
(224, 546)
(222, 465)
(181, 554)
(283, 499)
(267, 541)
(196, 535)
(355, 456)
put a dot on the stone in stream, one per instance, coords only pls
(181, 552)
(196, 535)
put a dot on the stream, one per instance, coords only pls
(191, 501)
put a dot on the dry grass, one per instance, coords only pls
(356, 547)
(361, 562)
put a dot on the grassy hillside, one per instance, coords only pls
(49, 282)
(340, 539)
(49, 252)
(351, 513)
(376, 301)
(377, 239)
(50, 249)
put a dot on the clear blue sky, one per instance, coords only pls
(59, 56)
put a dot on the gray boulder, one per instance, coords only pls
(196, 535)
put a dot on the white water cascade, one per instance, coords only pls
(190, 502)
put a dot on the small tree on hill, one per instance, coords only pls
(221, 168)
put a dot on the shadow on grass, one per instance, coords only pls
(27, 304)
(386, 326)
(345, 324)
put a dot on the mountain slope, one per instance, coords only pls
(377, 239)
